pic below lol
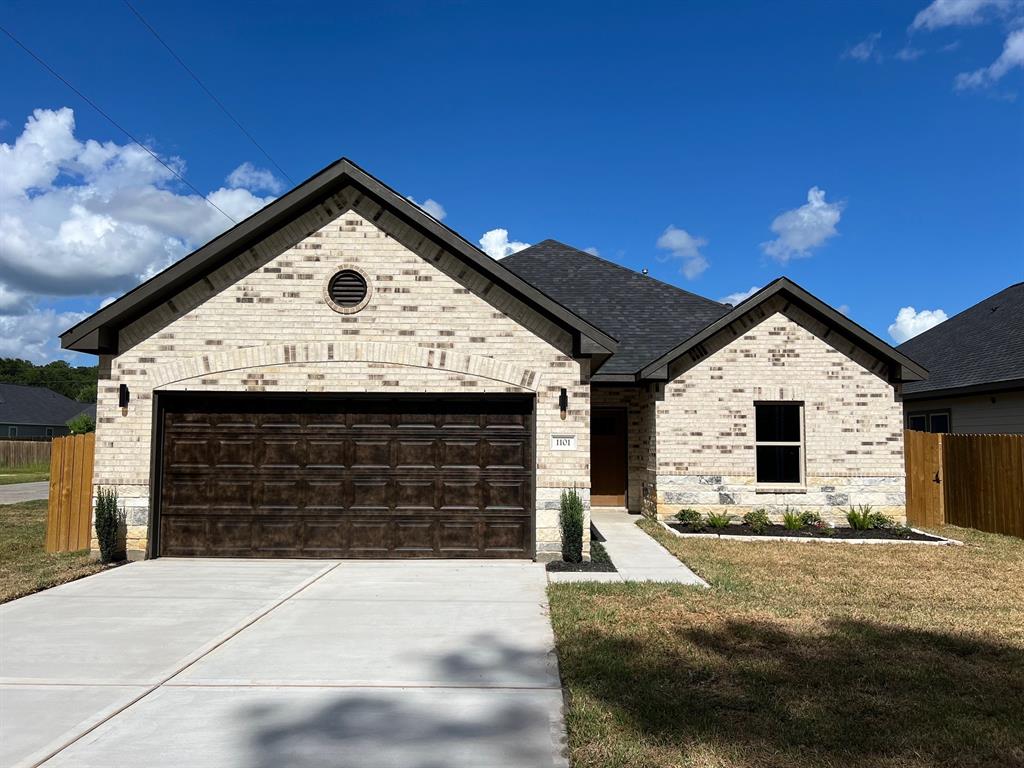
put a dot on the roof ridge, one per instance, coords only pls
(625, 269)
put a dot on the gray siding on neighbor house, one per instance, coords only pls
(997, 413)
(31, 430)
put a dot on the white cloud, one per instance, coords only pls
(736, 298)
(248, 176)
(843, 309)
(684, 246)
(910, 322)
(909, 53)
(88, 218)
(957, 13)
(34, 336)
(84, 218)
(803, 229)
(865, 49)
(13, 302)
(1012, 57)
(592, 250)
(495, 243)
(431, 207)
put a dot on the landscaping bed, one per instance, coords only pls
(825, 532)
(599, 561)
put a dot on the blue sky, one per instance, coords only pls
(883, 141)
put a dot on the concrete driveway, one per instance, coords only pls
(16, 492)
(286, 662)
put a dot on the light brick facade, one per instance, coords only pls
(260, 324)
(853, 443)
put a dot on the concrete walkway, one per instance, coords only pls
(284, 662)
(15, 492)
(636, 555)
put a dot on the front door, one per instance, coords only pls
(608, 457)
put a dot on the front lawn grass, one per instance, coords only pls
(25, 566)
(30, 473)
(801, 655)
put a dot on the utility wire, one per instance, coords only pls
(113, 122)
(208, 92)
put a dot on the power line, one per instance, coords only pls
(113, 122)
(208, 92)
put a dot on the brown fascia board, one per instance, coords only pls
(98, 332)
(902, 368)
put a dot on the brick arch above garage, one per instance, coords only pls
(208, 366)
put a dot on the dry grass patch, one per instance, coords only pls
(801, 655)
(25, 566)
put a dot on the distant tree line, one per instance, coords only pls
(76, 382)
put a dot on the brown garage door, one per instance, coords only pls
(380, 478)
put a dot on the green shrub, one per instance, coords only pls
(688, 516)
(792, 520)
(81, 424)
(884, 522)
(811, 518)
(570, 520)
(110, 526)
(757, 519)
(718, 520)
(860, 518)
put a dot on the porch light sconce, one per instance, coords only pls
(563, 402)
(123, 395)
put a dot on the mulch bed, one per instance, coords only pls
(599, 561)
(842, 532)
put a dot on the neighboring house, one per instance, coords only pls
(341, 375)
(34, 412)
(976, 370)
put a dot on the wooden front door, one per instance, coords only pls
(608, 450)
(257, 476)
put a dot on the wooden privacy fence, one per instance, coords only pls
(69, 515)
(22, 453)
(974, 481)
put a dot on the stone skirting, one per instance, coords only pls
(830, 496)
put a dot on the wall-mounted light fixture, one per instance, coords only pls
(123, 396)
(563, 403)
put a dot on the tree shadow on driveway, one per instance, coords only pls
(415, 727)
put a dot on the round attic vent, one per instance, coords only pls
(347, 291)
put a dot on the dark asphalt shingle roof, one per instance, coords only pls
(984, 344)
(646, 316)
(22, 404)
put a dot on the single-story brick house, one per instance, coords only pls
(341, 375)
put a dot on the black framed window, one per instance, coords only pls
(778, 438)
(930, 421)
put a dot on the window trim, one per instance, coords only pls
(800, 486)
(12, 431)
(927, 414)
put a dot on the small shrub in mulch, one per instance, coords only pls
(599, 559)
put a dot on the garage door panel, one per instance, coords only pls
(189, 453)
(235, 453)
(283, 453)
(397, 477)
(503, 535)
(369, 537)
(324, 453)
(509, 454)
(371, 454)
(415, 535)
